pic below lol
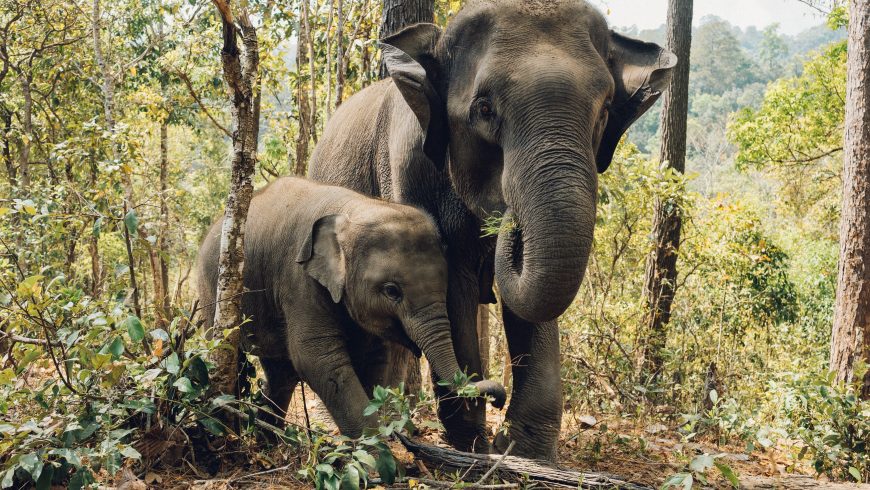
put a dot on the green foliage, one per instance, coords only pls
(832, 423)
(718, 62)
(800, 119)
(697, 471)
(342, 463)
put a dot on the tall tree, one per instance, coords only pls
(661, 274)
(240, 68)
(303, 108)
(850, 340)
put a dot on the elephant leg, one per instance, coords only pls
(323, 361)
(464, 420)
(281, 380)
(534, 416)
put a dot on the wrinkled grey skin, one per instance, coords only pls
(330, 275)
(513, 109)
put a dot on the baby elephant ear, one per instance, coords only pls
(409, 57)
(641, 72)
(322, 256)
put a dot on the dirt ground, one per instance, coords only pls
(646, 454)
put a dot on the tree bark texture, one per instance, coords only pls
(399, 14)
(850, 340)
(27, 133)
(661, 273)
(303, 108)
(240, 67)
(341, 63)
(475, 467)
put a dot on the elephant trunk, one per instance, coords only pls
(542, 250)
(430, 330)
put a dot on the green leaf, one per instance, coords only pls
(8, 478)
(183, 385)
(212, 425)
(32, 464)
(44, 481)
(132, 222)
(855, 473)
(116, 348)
(325, 469)
(135, 328)
(676, 480)
(386, 466)
(197, 371)
(351, 478)
(98, 226)
(701, 463)
(365, 458)
(80, 479)
(714, 396)
(728, 473)
(371, 408)
(172, 364)
(332, 483)
(222, 400)
(131, 453)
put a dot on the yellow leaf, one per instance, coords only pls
(4, 211)
(158, 348)
(133, 71)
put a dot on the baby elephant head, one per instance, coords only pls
(386, 266)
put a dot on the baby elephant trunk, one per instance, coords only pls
(431, 333)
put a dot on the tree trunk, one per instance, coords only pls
(157, 256)
(11, 171)
(108, 90)
(850, 340)
(661, 273)
(94, 240)
(27, 133)
(341, 63)
(399, 14)
(329, 59)
(240, 69)
(304, 110)
(312, 100)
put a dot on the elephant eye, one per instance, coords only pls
(392, 291)
(484, 108)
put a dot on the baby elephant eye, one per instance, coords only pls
(392, 291)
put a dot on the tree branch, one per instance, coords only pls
(187, 83)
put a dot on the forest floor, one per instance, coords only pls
(643, 453)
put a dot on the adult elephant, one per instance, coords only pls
(510, 112)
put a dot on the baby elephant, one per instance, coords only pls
(329, 275)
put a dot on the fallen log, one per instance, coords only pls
(512, 468)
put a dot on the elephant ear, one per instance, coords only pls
(641, 72)
(409, 58)
(322, 256)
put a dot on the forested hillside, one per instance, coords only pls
(115, 141)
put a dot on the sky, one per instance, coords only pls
(792, 15)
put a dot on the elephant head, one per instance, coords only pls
(526, 101)
(386, 266)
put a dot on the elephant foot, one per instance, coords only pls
(465, 426)
(473, 441)
(533, 442)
